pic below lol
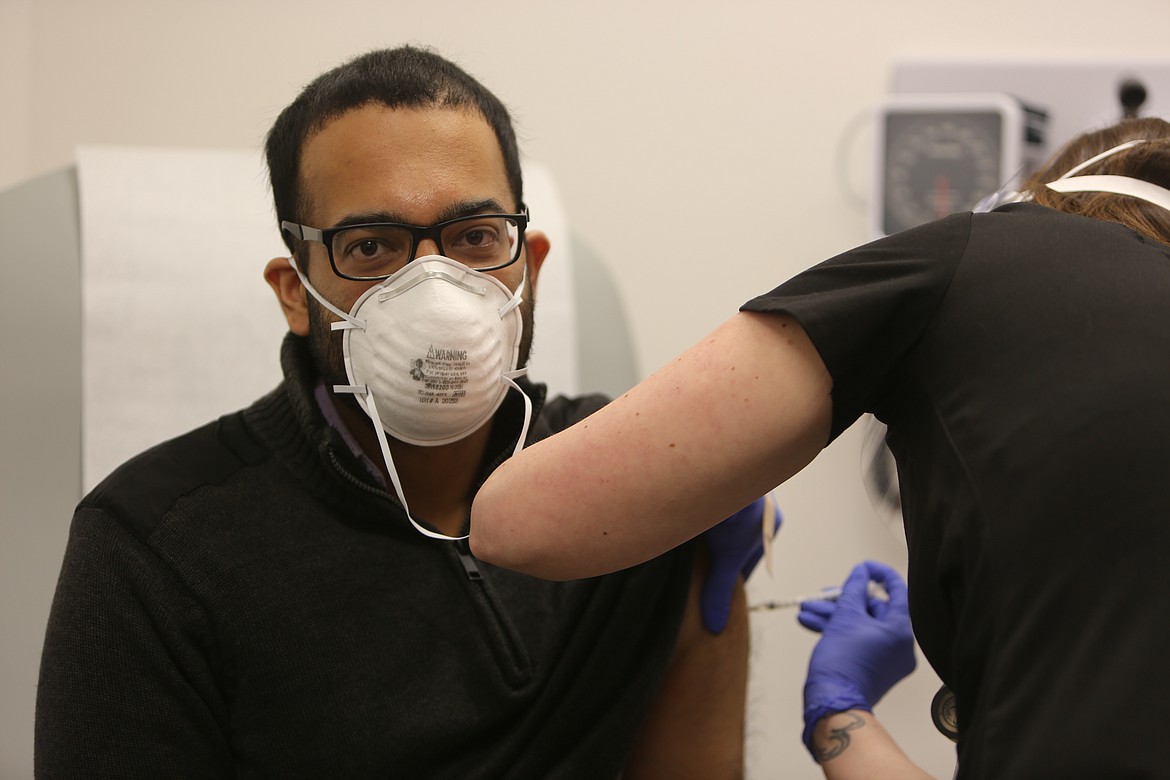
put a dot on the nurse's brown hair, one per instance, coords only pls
(1146, 161)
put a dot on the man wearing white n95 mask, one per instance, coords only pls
(256, 599)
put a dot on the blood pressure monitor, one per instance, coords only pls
(938, 154)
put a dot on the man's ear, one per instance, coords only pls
(283, 280)
(536, 246)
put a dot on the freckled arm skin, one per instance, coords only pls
(728, 420)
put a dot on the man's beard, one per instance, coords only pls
(325, 344)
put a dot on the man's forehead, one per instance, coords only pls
(403, 159)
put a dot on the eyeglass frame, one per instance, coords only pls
(417, 234)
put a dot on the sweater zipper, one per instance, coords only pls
(510, 654)
(344, 472)
(503, 639)
(470, 567)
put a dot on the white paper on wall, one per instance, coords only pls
(178, 325)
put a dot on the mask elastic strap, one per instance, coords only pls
(372, 409)
(509, 378)
(516, 298)
(347, 321)
(1118, 185)
(1098, 158)
(367, 401)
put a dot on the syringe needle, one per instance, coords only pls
(828, 594)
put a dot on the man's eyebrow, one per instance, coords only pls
(367, 218)
(466, 208)
(462, 208)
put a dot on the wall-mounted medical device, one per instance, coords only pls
(941, 153)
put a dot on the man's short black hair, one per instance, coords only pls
(405, 77)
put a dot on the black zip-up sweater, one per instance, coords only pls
(243, 601)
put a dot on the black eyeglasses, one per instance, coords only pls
(483, 242)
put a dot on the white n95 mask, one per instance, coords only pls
(436, 339)
(430, 352)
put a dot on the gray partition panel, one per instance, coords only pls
(605, 357)
(40, 460)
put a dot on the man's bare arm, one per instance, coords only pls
(695, 730)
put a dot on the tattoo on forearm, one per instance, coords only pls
(838, 739)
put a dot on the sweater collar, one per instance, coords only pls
(324, 457)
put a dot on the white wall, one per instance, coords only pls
(695, 145)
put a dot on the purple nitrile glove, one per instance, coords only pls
(734, 547)
(866, 645)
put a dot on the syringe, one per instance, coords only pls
(828, 594)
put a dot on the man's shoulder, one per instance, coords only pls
(143, 489)
(562, 411)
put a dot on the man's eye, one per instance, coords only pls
(365, 249)
(370, 246)
(478, 237)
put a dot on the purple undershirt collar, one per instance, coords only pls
(329, 412)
